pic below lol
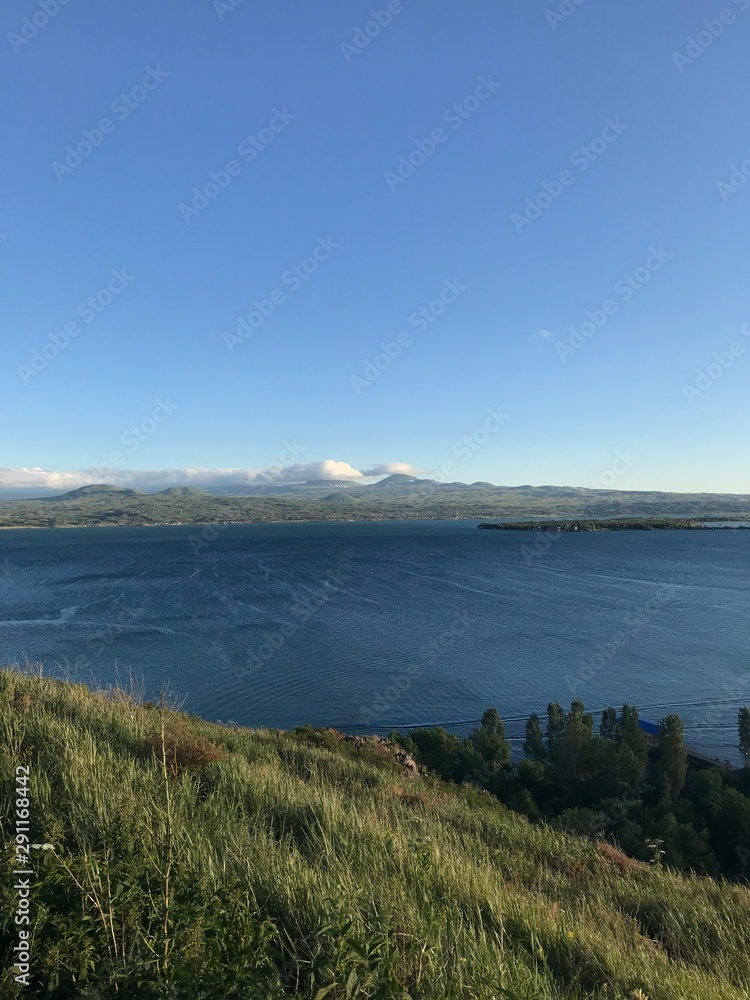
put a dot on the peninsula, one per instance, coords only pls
(611, 524)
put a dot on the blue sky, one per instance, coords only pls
(634, 129)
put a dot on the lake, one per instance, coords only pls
(368, 626)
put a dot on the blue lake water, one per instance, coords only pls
(372, 625)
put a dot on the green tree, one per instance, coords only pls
(449, 756)
(632, 748)
(671, 766)
(533, 746)
(555, 723)
(489, 740)
(492, 752)
(743, 721)
(570, 752)
(608, 725)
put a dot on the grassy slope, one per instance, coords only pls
(298, 866)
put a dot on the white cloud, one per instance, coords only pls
(30, 482)
(389, 468)
(30, 479)
(327, 469)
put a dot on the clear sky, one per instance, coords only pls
(555, 161)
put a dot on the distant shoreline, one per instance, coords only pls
(571, 526)
(618, 524)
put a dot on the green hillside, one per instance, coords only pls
(310, 502)
(193, 860)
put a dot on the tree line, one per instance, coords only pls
(612, 784)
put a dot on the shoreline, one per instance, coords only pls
(711, 523)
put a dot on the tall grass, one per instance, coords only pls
(199, 861)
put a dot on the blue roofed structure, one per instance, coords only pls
(695, 757)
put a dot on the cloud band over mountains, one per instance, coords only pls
(31, 482)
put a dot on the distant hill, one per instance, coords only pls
(95, 490)
(319, 484)
(340, 498)
(400, 479)
(181, 491)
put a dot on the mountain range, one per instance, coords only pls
(398, 496)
